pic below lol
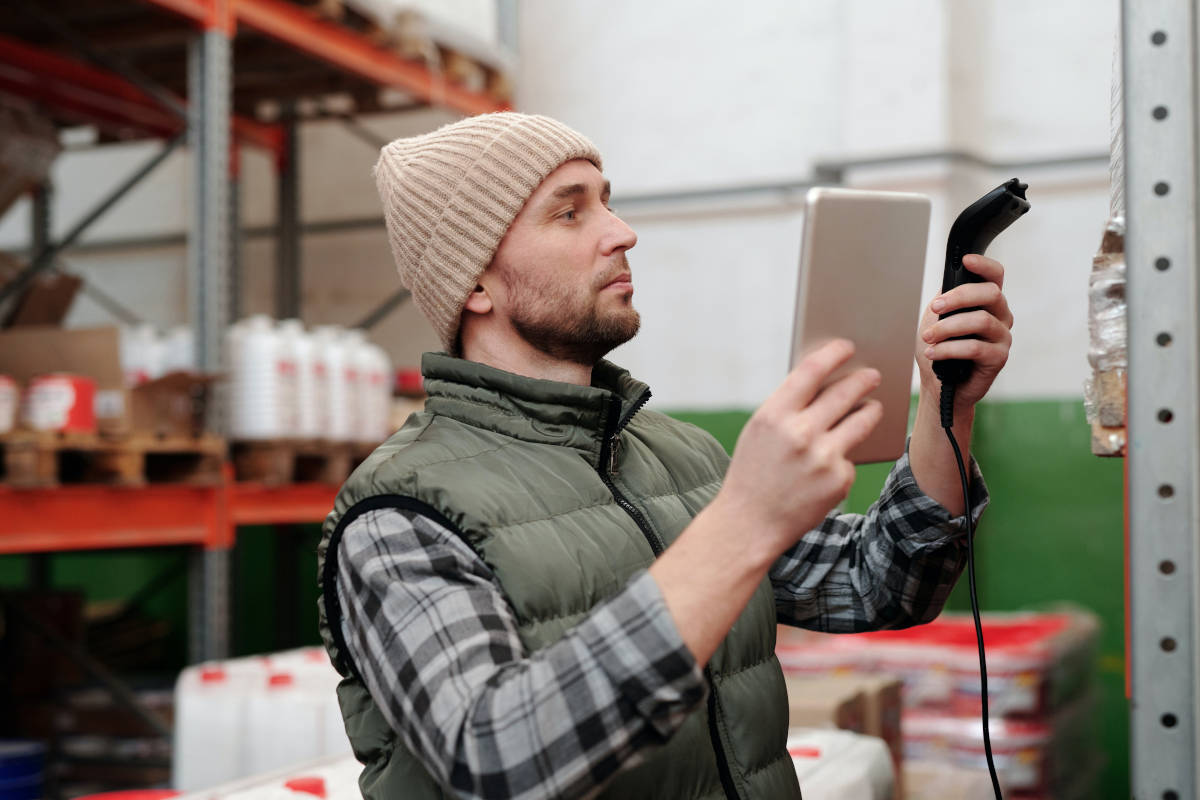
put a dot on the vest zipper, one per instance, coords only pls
(608, 468)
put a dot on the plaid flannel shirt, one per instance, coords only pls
(429, 630)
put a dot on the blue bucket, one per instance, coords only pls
(22, 766)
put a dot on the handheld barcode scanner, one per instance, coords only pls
(972, 232)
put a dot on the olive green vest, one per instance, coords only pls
(565, 492)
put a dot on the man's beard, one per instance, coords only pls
(562, 326)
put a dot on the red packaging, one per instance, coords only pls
(60, 402)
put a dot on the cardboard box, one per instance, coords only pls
(29, 351)
(934, 780)
(879, 708)
(173, 405)
(826, 703)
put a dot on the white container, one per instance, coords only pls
(141, 353)
(307, 392)
(381, 378)
(839, 765)
(252, 715)
(340, 382)
(178, 349)
(359, 364)
(285, 722)
(291, 344)
(10, 401)
(210, 726)
(258, 380)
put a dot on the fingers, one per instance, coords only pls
(987, 268)
(840, 398)
(856, 427)
(983, 353)
(971, 323)
(806, 379)
(975, 295)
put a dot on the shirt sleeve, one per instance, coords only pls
(892, 567)
(436, 644)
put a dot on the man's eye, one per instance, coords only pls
(569, 215)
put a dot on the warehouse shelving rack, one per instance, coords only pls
(1160, 42)
(195, 72)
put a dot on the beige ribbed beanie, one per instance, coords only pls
(450, 196)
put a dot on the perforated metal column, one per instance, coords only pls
(1160, 38)
(208, 287)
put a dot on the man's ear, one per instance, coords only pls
(479, 301)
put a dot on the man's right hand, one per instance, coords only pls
(789, 470)
(790, 466)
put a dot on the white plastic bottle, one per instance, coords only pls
(338, 406)
(293, 346)
(255, 397)
(178, 350)
(303, 351)
(381, 379)
(285, 723)
(141, 354)
(210, 725)
(360, 356)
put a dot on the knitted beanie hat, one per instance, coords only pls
(450, 196)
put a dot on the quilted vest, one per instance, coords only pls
(565, 492)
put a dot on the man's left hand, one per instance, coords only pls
(991, 323)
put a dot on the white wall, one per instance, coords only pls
(684, 95)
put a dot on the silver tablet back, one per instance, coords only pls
(861, 266)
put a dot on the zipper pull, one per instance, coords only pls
(614, 444)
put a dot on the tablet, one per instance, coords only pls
(861, 265)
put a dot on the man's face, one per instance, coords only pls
(560, 276)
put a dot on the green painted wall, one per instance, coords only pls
(1053, 533)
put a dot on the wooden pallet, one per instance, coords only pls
(42, 459)
(276, 462)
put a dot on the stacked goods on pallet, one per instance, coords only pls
(304, 406)
(457, 43)
(457, 40)
(28, 145)
(251, 715)
(85, 413)
(1040, 669)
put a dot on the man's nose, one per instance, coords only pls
(619, 236)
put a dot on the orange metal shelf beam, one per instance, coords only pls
(255, 504)
(342, 48)
(101, 97)
(90, 517)
(96, 517)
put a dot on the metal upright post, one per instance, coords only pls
(209, 90)
(287, 243)
(235, 233)
(1160, 50)
(39, 239)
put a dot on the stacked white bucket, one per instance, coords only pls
(286, 382)
(250, 716)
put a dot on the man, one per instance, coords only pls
(537, 588)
